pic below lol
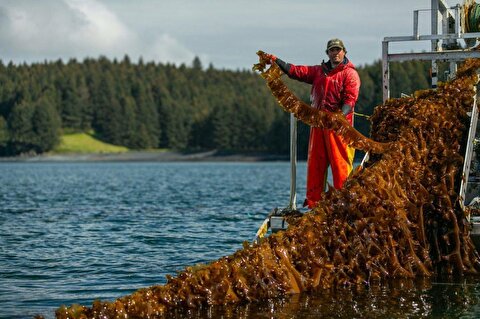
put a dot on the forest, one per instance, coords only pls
(146, 105)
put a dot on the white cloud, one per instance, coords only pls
(97, 28)
(167, 48)
(225, 33)
(32, 31)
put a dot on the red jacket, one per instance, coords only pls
(331, 89)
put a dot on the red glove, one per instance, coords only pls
(271, 57)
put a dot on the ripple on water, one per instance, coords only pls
(73, 232)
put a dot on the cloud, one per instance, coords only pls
(96, 27)
(225, 33)
(167, 48)
(32, 31)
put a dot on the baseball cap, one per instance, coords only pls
(335, 43)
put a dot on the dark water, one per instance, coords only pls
(75, 232)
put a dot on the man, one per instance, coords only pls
(335, 87)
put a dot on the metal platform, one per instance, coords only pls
(450, 42)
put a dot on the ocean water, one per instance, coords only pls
(76, 232)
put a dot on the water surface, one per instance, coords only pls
(76, 232)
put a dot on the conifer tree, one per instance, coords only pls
(4, 138)
(20, 125)
(149, 105)
(46, 126)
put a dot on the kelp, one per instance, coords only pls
(397, 217)
(311, 116)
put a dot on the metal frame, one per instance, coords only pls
(440, 51)
(448, 36)
(469, 152)
(293, 163)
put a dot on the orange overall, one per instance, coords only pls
(331, 89)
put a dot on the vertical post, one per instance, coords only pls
(434, 25)
(385, 71)
(434, 74)
(444, 21)
(469, 152)
(453, 70)
(415, 25)
(458, 28)
(293, 162)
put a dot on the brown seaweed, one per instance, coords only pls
(311, 116)
(398, 217)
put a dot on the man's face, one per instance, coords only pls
(336, 55)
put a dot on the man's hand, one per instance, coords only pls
(272, 58)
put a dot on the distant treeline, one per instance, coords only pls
(148, 105)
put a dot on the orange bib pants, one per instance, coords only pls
(325, 149)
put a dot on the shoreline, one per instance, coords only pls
(157, 156)
(145, 156)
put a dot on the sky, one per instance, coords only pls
(224, 33)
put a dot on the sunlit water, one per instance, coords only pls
(76, 232)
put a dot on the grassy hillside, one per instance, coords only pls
(85, 143)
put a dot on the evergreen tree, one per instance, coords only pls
(46, 126)
(279, 135)
(4, 138)
(128, 123)
(107, 117)
(222, 133)
(148, 105)
(20, 124)
(70, 105)
(147, 116)
(197, 64)
(366, 102)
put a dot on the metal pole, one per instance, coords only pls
(415, 24)
(469, 152)
(293, 162)
(453, 70)
(458, 28)
(434, 25)
(385, 71)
